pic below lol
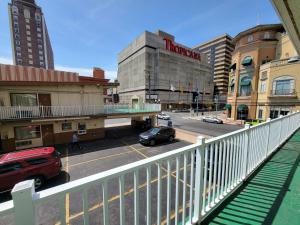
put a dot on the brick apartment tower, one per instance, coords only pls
(218, 51)
(29, 35)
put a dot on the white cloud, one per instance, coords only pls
(6, 60)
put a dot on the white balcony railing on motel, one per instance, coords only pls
(197, 178)
(29, 112)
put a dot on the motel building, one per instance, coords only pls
(40, 107)
(154, 68)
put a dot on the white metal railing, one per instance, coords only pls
(29, 112)
(183, 185)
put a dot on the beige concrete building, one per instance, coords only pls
(41, 107)
(279, 83)
(253, 48)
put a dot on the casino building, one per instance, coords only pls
(154, 68)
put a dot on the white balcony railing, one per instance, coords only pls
(197, 178)
(31, 112)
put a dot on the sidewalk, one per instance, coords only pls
(188, 135)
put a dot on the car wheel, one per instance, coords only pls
(152, 142)
(171, 139)
(38, 182)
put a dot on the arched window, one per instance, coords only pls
(245, 86)
(284, 85)
(26, 13)
(37, 16)
(247, 61)
(266, 35)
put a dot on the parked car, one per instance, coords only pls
(39, 164)
(163, 116)
(157, 134)
(210, 119)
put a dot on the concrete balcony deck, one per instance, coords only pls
(37, 112)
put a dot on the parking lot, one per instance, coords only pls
(119, 147)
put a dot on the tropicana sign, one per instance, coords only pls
(181, 50)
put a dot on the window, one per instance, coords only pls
(66, 126)
(264, 75)
(18, 42)
(260, 113)
(39, 35)
(27, 132)
(17, 30)
(28, 38)
(17, 36)
(23, 99)
(27, 21)
(39, 41)
(30, 50)
(283, 85)
(18, 49)
(37, 161)
(37, 16)
(15, 18)
(38, 29)
(41, 58)
(30, 56)
(15, 10)
(27, 27)
(10, 167)
(38, 24)
(250, 38)
(40, 46)
(41, 53)
(19, 61)
(30, 62)
(29, 44)
(26, 13)
(263, 86)
(245, 86)
(28, 32)
(18, 54)
(81, 128)
(42, 64)
(16, 25)
(266, 35)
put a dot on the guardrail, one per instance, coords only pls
(211, 170)
(31, 112)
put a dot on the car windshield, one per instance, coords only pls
(154, 131)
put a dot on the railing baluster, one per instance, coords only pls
(227, 165)
(158, 193)
(192, 186)
(223, 168)
(177, 191)
(205, 177)
(149, 195)
(184, 187)
(168, 192)
(122, 202)
(215, 166)
(211, 152)
(105, 203)
(85, 207)
(136, 197)
(220, 163)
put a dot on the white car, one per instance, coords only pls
(163, 116)
(210, 119)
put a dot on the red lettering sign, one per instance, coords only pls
(170, 46)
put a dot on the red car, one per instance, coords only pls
(39, 164)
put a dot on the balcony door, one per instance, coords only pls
(45, 103)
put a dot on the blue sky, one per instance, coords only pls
(91, 33)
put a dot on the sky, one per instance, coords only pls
(90, 33)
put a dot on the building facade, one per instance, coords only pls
(40, 107)
(30, 40)
(153, 68)
(279, 84)
(219, 51)
(253, 48)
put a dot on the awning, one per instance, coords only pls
(247, 61)
(233, 66)
(245, 82)
(242, 107)
(228, 106)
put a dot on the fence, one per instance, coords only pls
(204, 174)
(29, 112)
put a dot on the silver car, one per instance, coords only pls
(163, 116)
(210, 119)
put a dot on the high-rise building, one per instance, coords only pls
(218, 51)
(29, 35)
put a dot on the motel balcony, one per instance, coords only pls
(249, 176)
(35, 112)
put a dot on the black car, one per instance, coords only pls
(157, 134)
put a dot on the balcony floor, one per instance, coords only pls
(270, 196)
